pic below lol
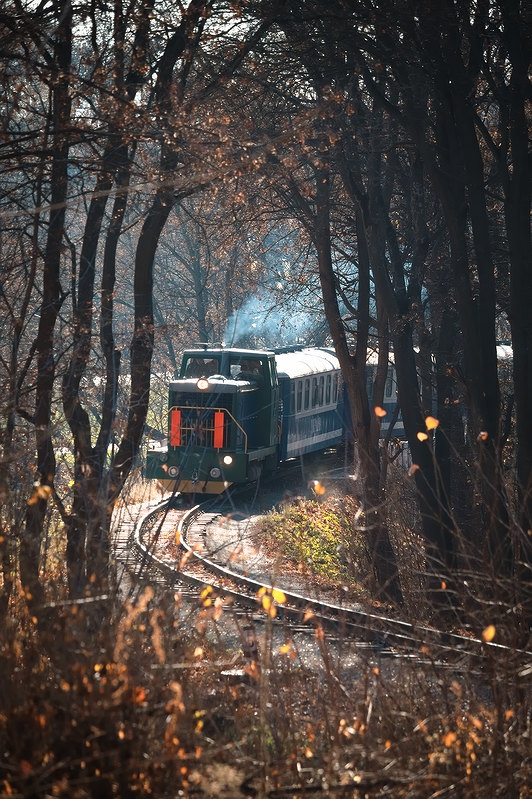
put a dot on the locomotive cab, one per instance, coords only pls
(222, 421)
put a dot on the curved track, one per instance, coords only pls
(385, 634)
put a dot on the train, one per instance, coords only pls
(237, 414)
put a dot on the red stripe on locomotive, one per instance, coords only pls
(218, 429)
(175, 428)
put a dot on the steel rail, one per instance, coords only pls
(384, 633)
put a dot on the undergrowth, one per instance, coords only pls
(322, 535)
(155, 694)
(163, 700)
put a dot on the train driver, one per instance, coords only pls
(251, 369)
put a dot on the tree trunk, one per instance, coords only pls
(517, 196)
(399, 302)
(51, 302)
(353, 370)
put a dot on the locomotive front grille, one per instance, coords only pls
(203, 427)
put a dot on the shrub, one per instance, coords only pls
(322, 535)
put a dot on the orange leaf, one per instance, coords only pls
(449, 739)
(431, 423)
(39, 492)
(252, 670)
(483, 436)
(488, 634)
(422, 436)
(380, 412)
(139, 695)
(269, 607)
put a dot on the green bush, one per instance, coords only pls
(322, 535)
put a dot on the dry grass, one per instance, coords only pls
(163, 697)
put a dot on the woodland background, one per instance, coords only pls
(267, 172)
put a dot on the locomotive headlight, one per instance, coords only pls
(202, 384)
(163, 457)
(228, 460)
(173, 471)
(215, 473)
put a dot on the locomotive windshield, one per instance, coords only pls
(247, 369)
(201, 367)
(234, 366)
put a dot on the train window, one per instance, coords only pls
(235, 367)
(328, 390)
(335, 387)
(306, 402)
(201, 367)
(292, 397)
(315, 396)
(247, 369)
(321, 389)
(299, 394)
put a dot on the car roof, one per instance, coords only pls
(307, 361)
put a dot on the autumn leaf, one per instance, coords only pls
(449, 739)
(186, 557)
(288, 649)
(269, 607)
(422, 436)
(379, 412)
(139, 695)
(488, 634)
(205, 596)
(39, 492)
(218, 608)
(252, 670)
(431, 423)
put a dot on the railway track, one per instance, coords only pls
(201, 575)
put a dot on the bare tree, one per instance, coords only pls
(434, 80)
(114, 157)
